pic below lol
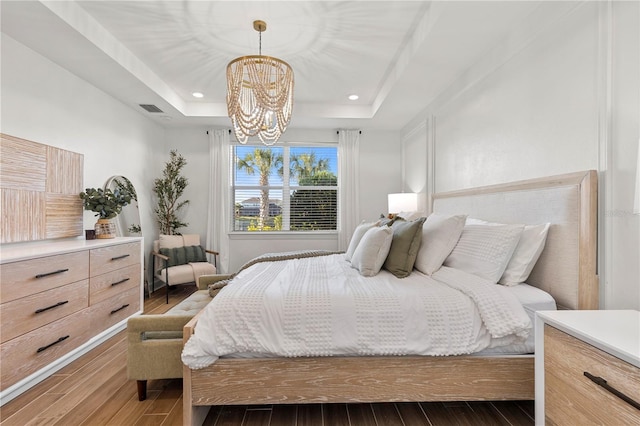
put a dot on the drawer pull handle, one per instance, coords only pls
(51, 307)
(44, 348)
(120, 282)
(602, 382)
(120, 257)
(119, 309)
(59, 271)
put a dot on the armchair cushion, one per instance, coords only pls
(170, 241)
(182, 274)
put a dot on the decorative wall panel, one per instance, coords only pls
(22, 215)
(23, 164)
(62, 219)
(64, 171)
(39, 187)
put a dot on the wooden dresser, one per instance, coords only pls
(59, 299)
(588, 367)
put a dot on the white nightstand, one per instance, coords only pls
(573, 345)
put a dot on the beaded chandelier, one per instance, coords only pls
(259, 95)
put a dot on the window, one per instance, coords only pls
(271, 197)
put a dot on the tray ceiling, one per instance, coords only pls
(396, 55)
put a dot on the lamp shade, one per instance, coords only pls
(406, 202)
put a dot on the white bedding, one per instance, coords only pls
(532, 299)
(321, 306)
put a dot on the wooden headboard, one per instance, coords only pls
(567, 268)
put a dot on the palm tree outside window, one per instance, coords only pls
(271, 197)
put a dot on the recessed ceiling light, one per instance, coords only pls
(197, 95)
(353, 97)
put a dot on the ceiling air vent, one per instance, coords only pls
(151, 108)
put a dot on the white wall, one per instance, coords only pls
(380, 171)
(380, 174)
(44, 103)
(415, 159)
(535, 115)
(621, 228)
(193, 144)
(539, 107)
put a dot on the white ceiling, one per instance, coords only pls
(396, 55)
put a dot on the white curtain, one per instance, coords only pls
(219, 197)
(349, 175)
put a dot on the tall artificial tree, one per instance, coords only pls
(168, 191)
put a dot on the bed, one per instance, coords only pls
(566, 270)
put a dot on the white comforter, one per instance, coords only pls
(320, 306)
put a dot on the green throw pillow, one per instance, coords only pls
(404, 247)
(184, 255)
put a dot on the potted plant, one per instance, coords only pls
(106, 204)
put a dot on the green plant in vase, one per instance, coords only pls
(106, 204)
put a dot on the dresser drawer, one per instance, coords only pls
(30, 352)
(20, 279)
(28, 313)
(115, 309)
(572, 398)
(105, 286)
(114, 257)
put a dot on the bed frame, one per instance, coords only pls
(566, 270)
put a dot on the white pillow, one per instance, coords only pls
(358, 233)
(440, 234)
(485, 250)
(525, 255)
(372, 250)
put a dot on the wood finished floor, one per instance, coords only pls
(94, 390)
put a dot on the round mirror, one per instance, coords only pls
(128, 221)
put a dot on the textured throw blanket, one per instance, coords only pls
(287, 255)
(269, 257)
(201, 268)
(320, 306)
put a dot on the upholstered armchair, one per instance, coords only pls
(180, 259)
